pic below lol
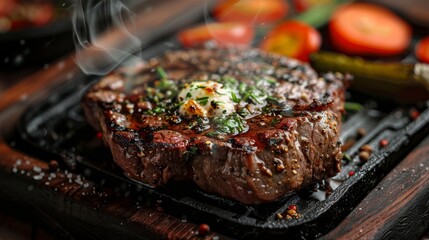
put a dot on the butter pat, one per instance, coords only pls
(205, 99)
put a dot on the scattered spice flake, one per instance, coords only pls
(361, 132)
(53, 165)
(158, 206)
(383, 143)
(99, 135)
(351, 173)
(366, 148)
(414, 114)
(292, 207)
(364, 156)
(290, 213)
(203, 229)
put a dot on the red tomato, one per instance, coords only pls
(422, 50)
(251, 11)
(293, 39)
(368, 29)
(41, 14)
(304, 5)
(222, 33)
(6, 7)
(20, 24)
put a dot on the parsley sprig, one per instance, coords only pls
(202, 100)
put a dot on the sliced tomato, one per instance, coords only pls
(304, 5)
(6, 7)
(222, 33)
(369, 30)
(293, 39)
(251, 11)
(422, 50)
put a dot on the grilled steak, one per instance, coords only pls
(244, 124)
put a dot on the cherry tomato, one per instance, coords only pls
(222, 33)
(6, 7)
(304, 5)
(293, 39)
(368, 29)
(251, 11)
(422, 50)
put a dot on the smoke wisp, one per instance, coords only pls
(103, 35)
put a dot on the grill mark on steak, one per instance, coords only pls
(286, 148)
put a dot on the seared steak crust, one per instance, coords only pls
(286, 147)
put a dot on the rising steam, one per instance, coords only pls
(103, 35)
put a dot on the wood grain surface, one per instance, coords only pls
(21, 173)
(12, 228)
(64, 199)
(399, 201)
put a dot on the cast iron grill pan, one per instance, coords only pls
(56, 128)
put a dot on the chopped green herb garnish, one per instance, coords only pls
(212, 134)
(199, 124)
(162, 94)
(272, 99)
(271, 81)
(203, 100)
(243, 112)
(275, 121)
(162, 74)
(246, 97)
(232, 124)
(347, 157)
(250, 92)
(352, 106)
(242, 88)
(155, 98)
(229, 82)
(193, 149)
(149, 112)
(158, 110)
(234, 98)
(179, 104)
(166, 84)
(216, 91)
(255, 98)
